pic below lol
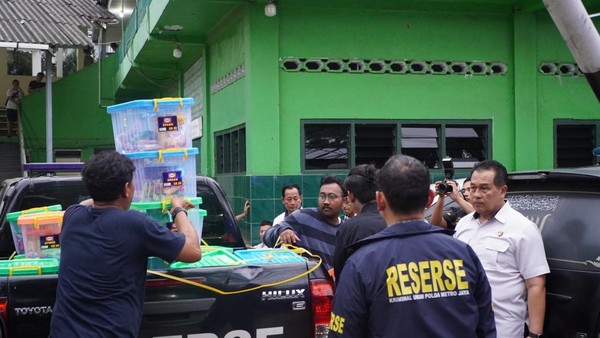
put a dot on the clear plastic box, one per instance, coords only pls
(41, 233)
(159, 212)
(144, 125)
(16, 230)
(161, 174)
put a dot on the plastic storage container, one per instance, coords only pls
(16, 230)
(144, 125)
(161, 174)
(157, 263)
(159, 211)
(41, 233)
(27, 266)
(219, 257)
(269, 256)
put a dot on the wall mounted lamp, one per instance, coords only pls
(270, 9)
(177, 53)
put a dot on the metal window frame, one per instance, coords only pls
(439, 124)
(237, 139)
(571, 122)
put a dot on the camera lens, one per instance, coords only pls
(444, 188)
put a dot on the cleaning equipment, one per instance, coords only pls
(16, 230)
(41, 233)
(159, 211)
(163, 173)
(144, 125)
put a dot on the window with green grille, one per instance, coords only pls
(230, 151)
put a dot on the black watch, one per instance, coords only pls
(536, 335)
(177, 211)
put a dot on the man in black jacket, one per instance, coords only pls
(360, 187)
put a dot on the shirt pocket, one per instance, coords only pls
(493, 249)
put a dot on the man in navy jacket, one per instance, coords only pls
(411, 279)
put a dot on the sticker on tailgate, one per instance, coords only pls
(260, 333)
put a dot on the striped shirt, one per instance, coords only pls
(316, 235)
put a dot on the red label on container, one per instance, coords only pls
(167, 123)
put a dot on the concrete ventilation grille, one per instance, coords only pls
(560, 69)
(234, 75)
(325, 65)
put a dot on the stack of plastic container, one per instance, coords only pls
(156, 136)
(35, 231)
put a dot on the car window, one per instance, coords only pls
(214, 225)
(47, 194)
(568, 222)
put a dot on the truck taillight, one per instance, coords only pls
(3, 314)
(321, 291)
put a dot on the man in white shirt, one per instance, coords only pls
(291, 197)
(511, 251)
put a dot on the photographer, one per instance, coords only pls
(14, 95)
(449, 217)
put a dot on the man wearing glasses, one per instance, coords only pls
(313, 228)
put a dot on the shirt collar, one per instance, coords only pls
(501, 215)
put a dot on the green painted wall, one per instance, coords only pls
(80, 120)
(559, 97)
(367, 34)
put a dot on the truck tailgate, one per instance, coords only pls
(175, 309)
(30, 306)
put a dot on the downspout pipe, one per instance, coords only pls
(580, 34)
(49, 146)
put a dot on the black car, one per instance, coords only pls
(565, 204)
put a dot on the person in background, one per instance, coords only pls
(244, 214)
(411, 279)
(511, 250)
(264, 226)
(88, 59)
(360, 187)
(37, 84)
(291, 197)
(104, 253)
(349, 210)
(449, 217)
(14, 95)
(313, 228)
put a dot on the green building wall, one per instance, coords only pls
(522, 104)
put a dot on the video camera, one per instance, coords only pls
(443, 187)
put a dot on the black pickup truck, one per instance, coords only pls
(272, 300)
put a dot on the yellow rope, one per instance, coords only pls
(295, 249)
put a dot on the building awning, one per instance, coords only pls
(59, 23)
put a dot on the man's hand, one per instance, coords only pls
(288, 236)
(178, 202)
(455, 194)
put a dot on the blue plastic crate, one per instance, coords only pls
(269, 256)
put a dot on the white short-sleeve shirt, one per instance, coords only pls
(511, 250)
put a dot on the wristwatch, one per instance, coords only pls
(535, 335)
(177, 211)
